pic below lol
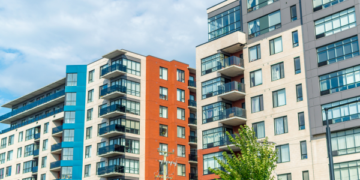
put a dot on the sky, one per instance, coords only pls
(39, 38)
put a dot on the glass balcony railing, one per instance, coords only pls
(111, 169)
(32, 120)
(192, 103)
(223, 63)
(32, 105)
(55, 164)
(224, 114)
(193, 139)
(36, 152)
(37, 136)
(112, 89)
(111, 148)
(192, 83)
(112, 68)
(111, 128)
(57, 129)
(34, 169)
(192, 121)
(231, 86)
(193, 157)
(112, 108)
(56, 147)
(225, 140)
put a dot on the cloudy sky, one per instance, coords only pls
(38, 38)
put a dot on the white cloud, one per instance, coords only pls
(51, 34)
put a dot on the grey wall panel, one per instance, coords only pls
(350, 93)
(330, 98)
(349, 63)
(328, 68)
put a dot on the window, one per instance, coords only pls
(126, 86)
(163, 112)
(281, 125)
(180, 75)
(87, 170)
(345, 142)
(347, 170)
(27, 166)
(68, 135)
(299, 94)
(295, 39)
(257, 104)
(163, 130)
(163, 147)
(276, 46)
(279, 98)
(91, 76)
(103, 144)
(181, 170)
(340, 81)
(180, 132)
(284, 177)
(66, 172)
(43, 177)
(161, 168)
(18, 168)
(68, 153)
(342, 113)
(264, 24)
(224, 23)
(2, 158)
(88, 132)
(180, 113)
(3, 142)
(211, 87)
(283, 153)
(131, 107)
(29, 150)
(9, 155)
(214, 112)
(70, 117)
(210, 162)
(2, 173)
(20, 138)
(256, 78)
(259, 129)
(45, 144)
(90, 96)
(297, 65)
(104, 69)
(180, 95)
(71, 79)
(19, 152)
(163, 73)
(277, 71)
(293, 13)
(89, 114)
(29, 134)
(46, 128)
(130, 125)
(213, 137)
(43, 161)
(254, 53)
(88, 151)
(11, 140)
(303, 150)
(70, 99)
(163, 93)
(301, 121)
(212, 63)
(123, 64)
(305, 175)
(180, 151)
(8, 171)
(335, 23)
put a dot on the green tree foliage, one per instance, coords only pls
(256, 161)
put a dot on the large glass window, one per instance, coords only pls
(29, 134)
(264, 24)
(27, 166)
(130, 106)
(256, 78)
(163, 112)
(71, 79)
(69, 135)
(340, 80)
(132, 67)
(130, 125)
(224, 23)
(345, 142)
(70, 99)
(180, 95)
(335, 23)
(299, 94)
(301, 121)
(131, 166)
(210, 162)
(180, 75)
(132, 88)
(212, 63)
(131, 146)
(283, 153)
(279, 98)
(163, 73)
(259, 129)
(214, 137)
(67, 153)
(276, 45)
(257, 104)
(347, 170)
(70, 117)
(297, 65)
(342, 113)
(213, 112)
(66, 172)
(211, 87)
(254, 53)
(322, 4)
(29, 150)
(180, 113)
(281, 125)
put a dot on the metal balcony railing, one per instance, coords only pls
(56, 147)
(192, 83)
(112, 89)
(111, 169)
(193, 139)
(232, 86)
(225, 140)
(193, 157)
(111, 148)
(111, 128)
(192, 121)
(192, 103)
(112, 68)
(112, 108)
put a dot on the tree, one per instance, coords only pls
(256, 161)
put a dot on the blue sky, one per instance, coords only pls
(39, 39)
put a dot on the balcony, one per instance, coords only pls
(232, 91)
(192, 105)
(193, 176)
(193, 158)
(55, 166)
(232, 66)
(112, 111)
(112, 130)
(192, 140)
(36, 153)
(192, 86)
(112, 92)
(112, 150)
(233, 116)
(111, 171)
(225, 142)
(36, 106)
(56, 148)
(37, 137)
(57, 131)
(34, 170)
(113, 71)
(192, 122)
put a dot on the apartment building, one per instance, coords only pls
(105, 120)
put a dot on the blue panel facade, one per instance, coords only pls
(79, 124)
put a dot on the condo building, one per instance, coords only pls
(111, 119)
